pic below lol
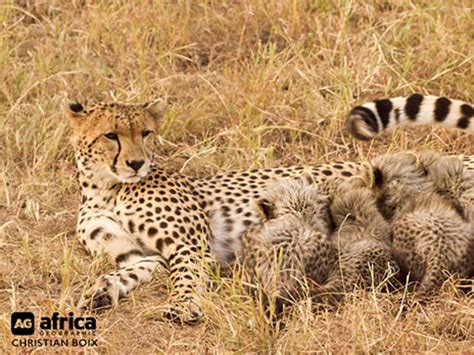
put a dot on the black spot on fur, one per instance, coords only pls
(412, 107)
(369, 119)
(159, 244)
(152, 231)
(442, 105)
(467, 110)
(267, 208)
(467, 113)
(76, 107)
(124, 257)
(384, 107)
(378, 178)
(397, 114)
(463, 122)
(95, 233)
(131, 226)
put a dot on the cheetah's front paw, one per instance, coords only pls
(96, 301)
(105, 294)
(187, 312)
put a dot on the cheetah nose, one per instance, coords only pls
(135, 164)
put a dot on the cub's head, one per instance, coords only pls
(394, 178)
(356, 215)
(113, 142)
(294, 198)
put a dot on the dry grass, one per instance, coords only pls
(257, 83)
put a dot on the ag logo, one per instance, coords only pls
(23, 323)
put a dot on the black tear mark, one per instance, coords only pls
(114, 162)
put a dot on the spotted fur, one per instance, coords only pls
(367, 121)
(317, 241)
(363, 239)
(429, 200)
(289, 252)
(150, 220)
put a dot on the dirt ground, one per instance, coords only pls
(256, 83)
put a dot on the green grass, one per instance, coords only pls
(256, 84)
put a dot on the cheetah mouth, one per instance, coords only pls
(132, 178)
(129, 177)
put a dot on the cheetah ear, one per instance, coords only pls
(266, 209)
(75, 112)
(156, 108)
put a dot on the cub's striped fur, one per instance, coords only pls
(367, 121)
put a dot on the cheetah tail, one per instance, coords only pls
(369, 120)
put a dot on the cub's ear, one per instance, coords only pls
(74, 111)
(157, 108)
(378, 178)
(265, 209)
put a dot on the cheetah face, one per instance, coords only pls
(394, 178)
(113, 142)
(287, 198)
(356, 214)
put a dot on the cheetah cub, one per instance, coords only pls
(291, 244)
(429, 201)
(363, 238)
(452, 180)
(296, 242)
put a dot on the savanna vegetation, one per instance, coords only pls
(255, 83)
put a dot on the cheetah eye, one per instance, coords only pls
(146, 133)
(112, 136)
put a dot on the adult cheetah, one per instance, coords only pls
(149, 219)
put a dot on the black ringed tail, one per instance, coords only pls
(369, 120)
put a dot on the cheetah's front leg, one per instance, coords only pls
(189, 261)
(103, 235)
(110, 288)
